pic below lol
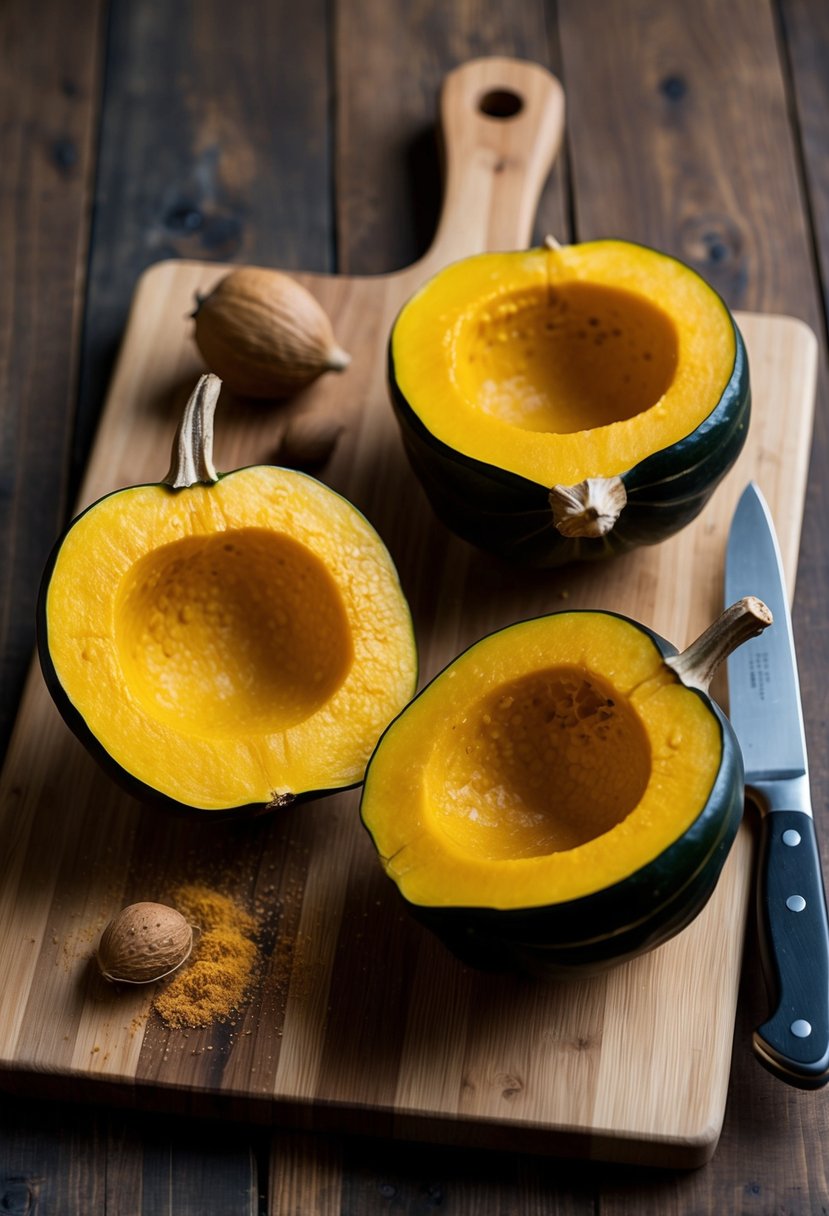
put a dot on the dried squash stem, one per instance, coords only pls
(743, 620)
(192, 458)
(590, 508)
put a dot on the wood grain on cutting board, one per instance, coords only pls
(360, 1020)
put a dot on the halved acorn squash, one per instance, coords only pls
(226, 643)
(563, 796)
(569, 402)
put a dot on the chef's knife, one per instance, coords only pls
(765, 711)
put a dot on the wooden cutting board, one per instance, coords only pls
(359, 1019)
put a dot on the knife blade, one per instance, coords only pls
(765, 711)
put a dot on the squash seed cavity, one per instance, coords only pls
(571, 358)
(234, 633)
(542, 764)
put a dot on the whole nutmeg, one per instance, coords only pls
(264, 334)
(143, 943)
(309, 440)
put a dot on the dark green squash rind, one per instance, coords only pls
(76, 722)
(596, 931)
(509, 515)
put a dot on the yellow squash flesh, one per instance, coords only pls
(550, 761)
(230, 643)
(559, 364)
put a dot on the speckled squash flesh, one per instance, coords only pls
(558, 798)
(230, 644)
(516, 376)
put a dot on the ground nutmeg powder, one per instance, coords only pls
(215, 983)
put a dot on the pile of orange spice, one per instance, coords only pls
(213, 986)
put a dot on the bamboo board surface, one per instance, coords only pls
(359, 1019)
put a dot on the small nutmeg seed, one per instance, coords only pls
(264, 334)
(143, 943)
(308, 440)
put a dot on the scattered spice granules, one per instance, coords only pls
(216, 982)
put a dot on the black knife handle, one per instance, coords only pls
(794, 939)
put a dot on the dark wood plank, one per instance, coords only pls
(46, 1165)
(390, 61)
(335, 1176)
(804, 30)
(794, 1179)
(61, 1158)
(665, 152)
(49, 87)
(804, 27)
(214, 145)
(49, 96)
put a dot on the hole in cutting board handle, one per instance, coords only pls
(501, 103)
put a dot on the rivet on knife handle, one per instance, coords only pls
(794, 939)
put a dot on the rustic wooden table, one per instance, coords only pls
(302, 136)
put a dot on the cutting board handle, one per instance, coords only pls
(502, 122)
